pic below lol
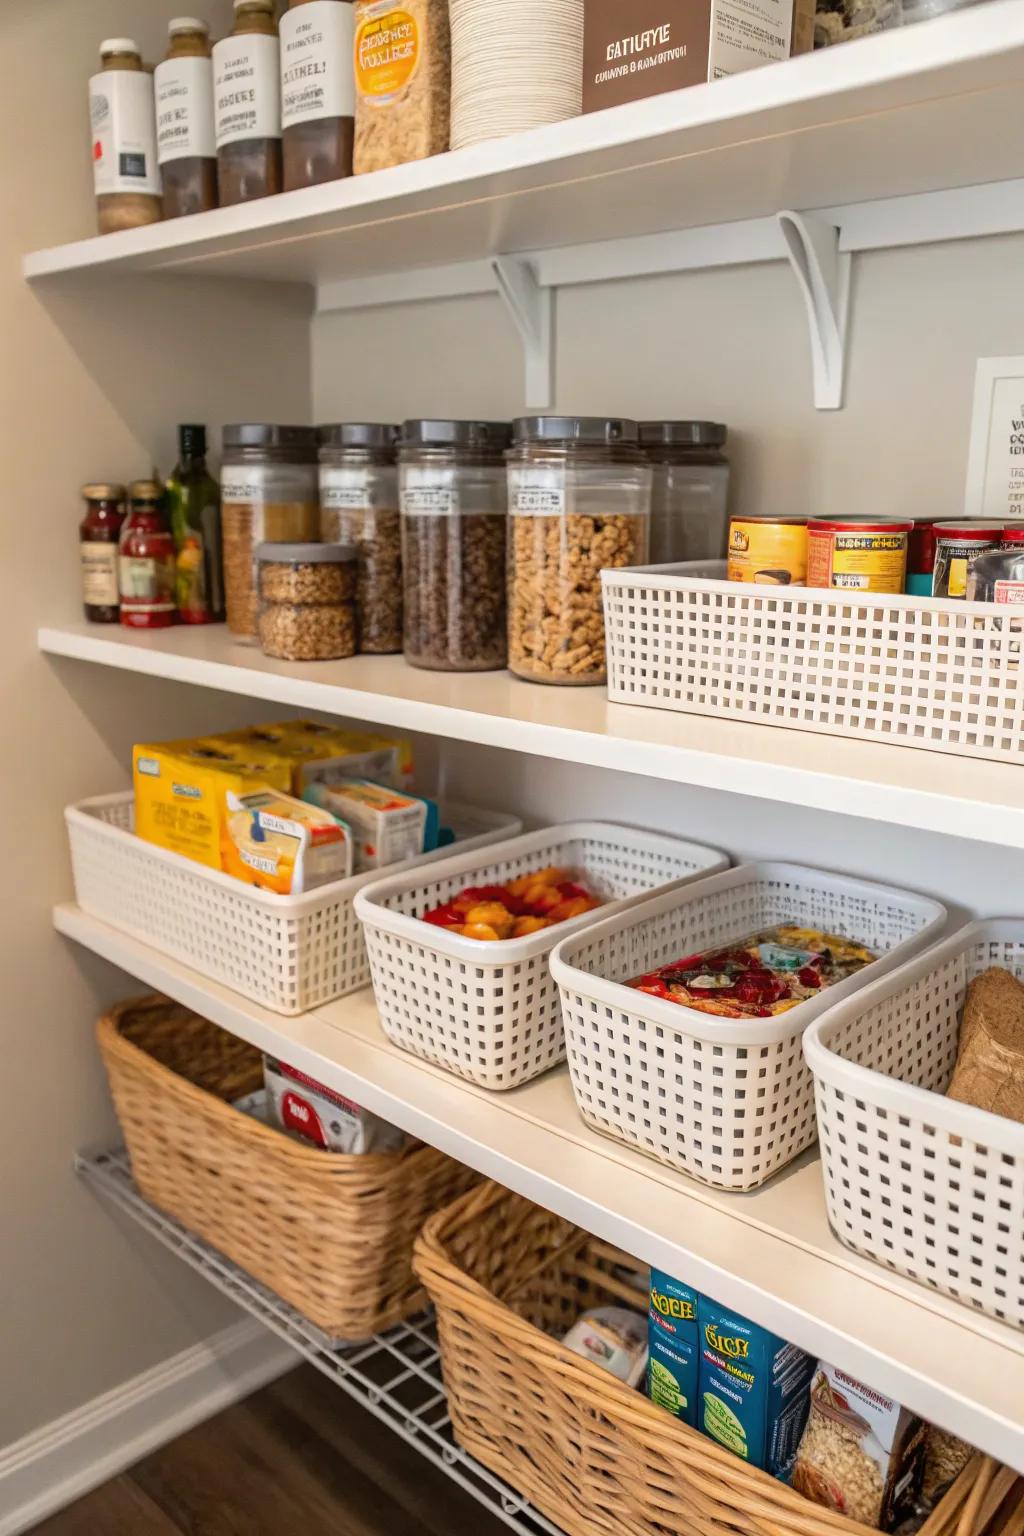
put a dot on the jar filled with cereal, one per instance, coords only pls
(359, 505)
(307, 601)
(452, 495)
(579, 494)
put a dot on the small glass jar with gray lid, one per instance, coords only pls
(307, 601)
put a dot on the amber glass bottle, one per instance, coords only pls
(247, 105)
(317, 91)
(185, 138)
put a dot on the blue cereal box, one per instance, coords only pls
(753, 1390)
(672, 1363)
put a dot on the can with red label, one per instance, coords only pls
(857, 554)
(957, 546)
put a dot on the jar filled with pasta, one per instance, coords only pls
(268, 492)
(359, 506)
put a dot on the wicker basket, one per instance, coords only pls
(332, 1234)
(588, 1452)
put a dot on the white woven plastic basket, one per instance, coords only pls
(290, 953)
(729, 1101)
(928, 672)
(926, 1186)
(489, 1011)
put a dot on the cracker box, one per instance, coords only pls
(754, 1389)
(672, 1343)
(637, 48)
(182, 788)
(386, 825)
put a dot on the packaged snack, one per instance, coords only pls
(301, 1105)
(613, 1338)
(861, 1453)
(182, 788)
(753, 1389)
(756, 978)
(282, 844)
(386, 826)
(673, 1347)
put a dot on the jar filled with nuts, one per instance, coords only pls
(268, 491)
(307, 601)
(579, 503)
(359, 505)
(452, 493)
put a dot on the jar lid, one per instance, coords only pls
(145, 490)
(1013, 535)
(786, 522)
(188, 24)
(575, 429)
(266, 435)
(971, 528)
(859, 525)
(359, 434)
(456, 434)
(102, 491)
(306, 554)
(683, 434)
(118, 45)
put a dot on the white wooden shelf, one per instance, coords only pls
(770, 1254)
(888, 783)
(918, 110)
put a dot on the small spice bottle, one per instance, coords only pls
(247, 105)
(268, 490)
(98, 534)
(317, 91)
(186, 139)
(359, 505)
(126, 174)
(689, 491)
(403, 65)
(307, 601)
(146, 560)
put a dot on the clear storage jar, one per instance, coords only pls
(307, 601)
(359, 506)
(689, 490)
(453, 500)
(579, 491)
(268, 492)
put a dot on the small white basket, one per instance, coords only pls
(489, 1011)
(729, 1101)
(926, 1186)
(927, 672)
(290, 953)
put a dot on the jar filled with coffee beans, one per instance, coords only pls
(307, 601)
(579, 493)
(359, 505)
(452, 493)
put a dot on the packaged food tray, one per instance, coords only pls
(591, 1454)
(489, 1011)
(729, 1101)
(330, 1232)
(927, 672)
(929, 1187)
(289, 953)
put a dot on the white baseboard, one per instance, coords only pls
(64, 1460)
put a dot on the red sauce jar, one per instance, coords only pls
(146, 561)
(98, 535)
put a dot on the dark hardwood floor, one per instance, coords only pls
(299, 1458)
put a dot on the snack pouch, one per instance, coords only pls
(613, 1338)
(306, 1108)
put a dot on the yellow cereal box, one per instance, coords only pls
(321, 754)
(181, 790)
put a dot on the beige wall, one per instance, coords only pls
(93, 380)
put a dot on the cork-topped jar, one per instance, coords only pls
(247, 105)
(186, 140)
(317, 91)
(126, 174)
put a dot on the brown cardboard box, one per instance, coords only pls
(636, 48)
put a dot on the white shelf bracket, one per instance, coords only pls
(823, 272)
(532, 310)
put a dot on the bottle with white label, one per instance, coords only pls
(317, 91)
(247, 105)
(126, 174)
(98, 535)
(186, 143)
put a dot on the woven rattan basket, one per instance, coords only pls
(591, 1454)
(330, 1233)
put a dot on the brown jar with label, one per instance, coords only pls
(98, 535)
(317, 92)
(186, 142)
(126, 175)
(247, 105)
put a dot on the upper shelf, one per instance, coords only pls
(922, 109)
(900, 785)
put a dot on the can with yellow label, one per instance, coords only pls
(856, 554)
(770, 551)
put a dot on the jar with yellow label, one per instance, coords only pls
(403, 81)
(769, 551)
(857, 554)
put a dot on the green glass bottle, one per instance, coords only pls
(193, 506)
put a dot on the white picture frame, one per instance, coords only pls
(995, 458)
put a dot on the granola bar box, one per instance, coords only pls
(753, 1390)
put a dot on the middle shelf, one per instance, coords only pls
(769, 1254)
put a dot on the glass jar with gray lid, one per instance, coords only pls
(307, 600)
(690, 489)
(268, 491)
(359, 505)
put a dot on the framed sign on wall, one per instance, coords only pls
(995, 462)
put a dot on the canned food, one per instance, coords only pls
(857, 554)
(770, 551)
(957, 546)
(921, 557)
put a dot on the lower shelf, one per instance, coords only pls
(396, 1375)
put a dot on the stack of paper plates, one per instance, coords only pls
(515, 65)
